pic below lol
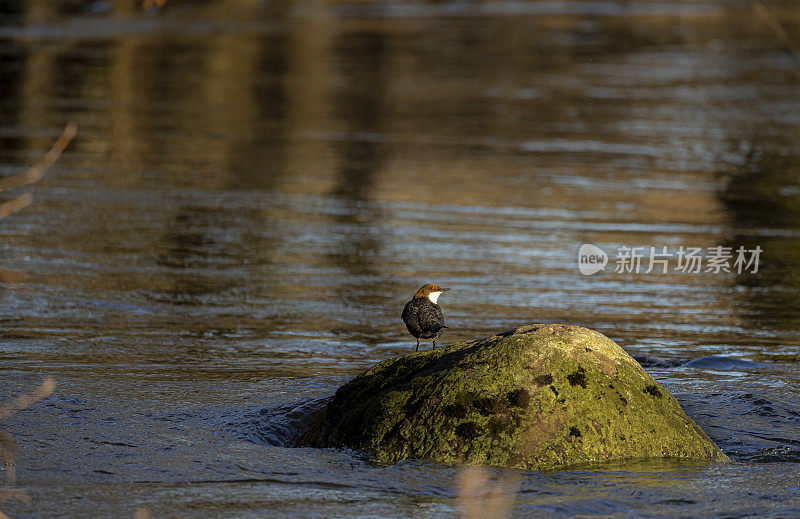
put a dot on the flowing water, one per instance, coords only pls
(257, 188)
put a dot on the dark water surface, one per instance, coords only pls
(258, 187)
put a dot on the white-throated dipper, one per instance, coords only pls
(423, 317)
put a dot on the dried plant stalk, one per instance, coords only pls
(776, 27)
(7, 446)
(36, 171)
(12, 206)
(25, 401)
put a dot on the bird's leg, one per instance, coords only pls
(417, 348)
(434, 344)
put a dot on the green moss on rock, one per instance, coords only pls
(538, 397)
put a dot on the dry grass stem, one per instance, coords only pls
(36, 171)
(776, 27)
(480, 498)
(25, 401)
(7, 446)
(12, 206)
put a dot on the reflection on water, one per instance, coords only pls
(764, 201)
(257, 188)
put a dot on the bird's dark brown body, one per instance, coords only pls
(423, 317)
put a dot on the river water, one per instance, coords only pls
(257, 188)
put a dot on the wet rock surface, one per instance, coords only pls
(537, 397)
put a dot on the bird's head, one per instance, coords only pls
(430, 291)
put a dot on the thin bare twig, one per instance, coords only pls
(777, 28)
(17, 204)
(25, 401)
(36, 171)
(7, 446)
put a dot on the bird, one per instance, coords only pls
(423, 316)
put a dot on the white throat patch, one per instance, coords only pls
(433, 296)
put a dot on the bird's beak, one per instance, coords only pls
(445, 289)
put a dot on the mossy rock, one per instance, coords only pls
(538, 397)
